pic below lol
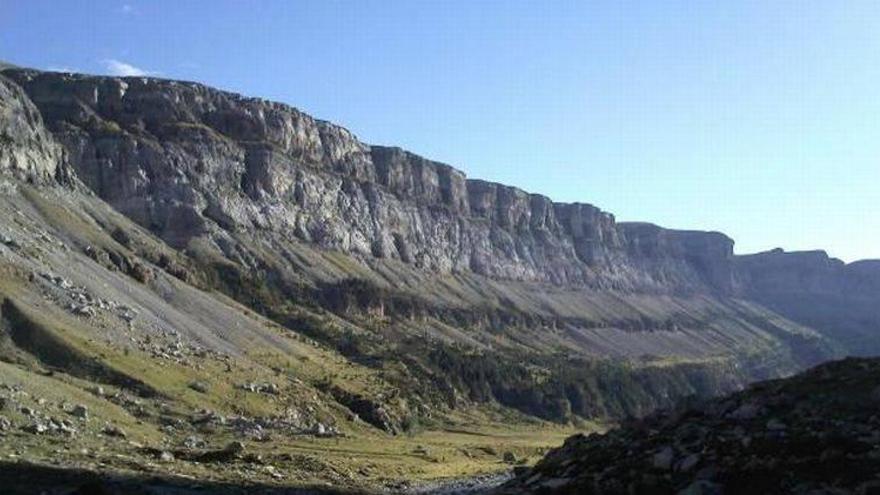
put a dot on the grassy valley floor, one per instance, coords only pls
(469, 445)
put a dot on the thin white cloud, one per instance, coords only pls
(55, 68)
(123, 69)
(127, 9)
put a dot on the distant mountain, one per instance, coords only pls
(841, 301)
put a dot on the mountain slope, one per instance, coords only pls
(117, 360)
(842, 301)
(277, 206)
(185, 262)
(815, 432)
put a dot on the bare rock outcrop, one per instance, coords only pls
(187, 161)
(27, 149)
(815, 432)
(838, 299)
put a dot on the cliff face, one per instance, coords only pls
(190, 162)
(26, 147)
(841, 300)
(185, 160)
(811, 272)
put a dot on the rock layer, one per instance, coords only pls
(186, 160)
(840, 300)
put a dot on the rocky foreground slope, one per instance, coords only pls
(818, 432)
(195, 268)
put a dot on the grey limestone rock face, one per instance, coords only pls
(186, 161)
(841, 300)
(27, 149)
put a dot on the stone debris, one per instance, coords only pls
(207, 416)
(113, 431)
(322, 430)
(234, 448)
(36, 428)
(815, 433)
(263, 388)
(80, 411)
(42, 424)
(662, 460)
(83, 310)
(232, 451)
(261, 428)
(9, 242)
(80, 301)
(201, 387)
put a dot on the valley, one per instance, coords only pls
(213, 289)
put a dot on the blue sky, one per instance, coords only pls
(759, 119)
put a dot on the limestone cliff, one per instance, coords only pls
(841, 300)
(26, 148)
(186, 160)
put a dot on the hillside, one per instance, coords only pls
(817, 432)
(195, 268)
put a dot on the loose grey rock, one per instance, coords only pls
(320, 430)
(702, 487)
(9, 242)
(775, 425)
(688, 463)
(37, 428)
(80, 411)
(663, 459)
(745, 412)
(194, 442)
(113, 431)
(554, 483)
(234, 448)
(201, 387)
